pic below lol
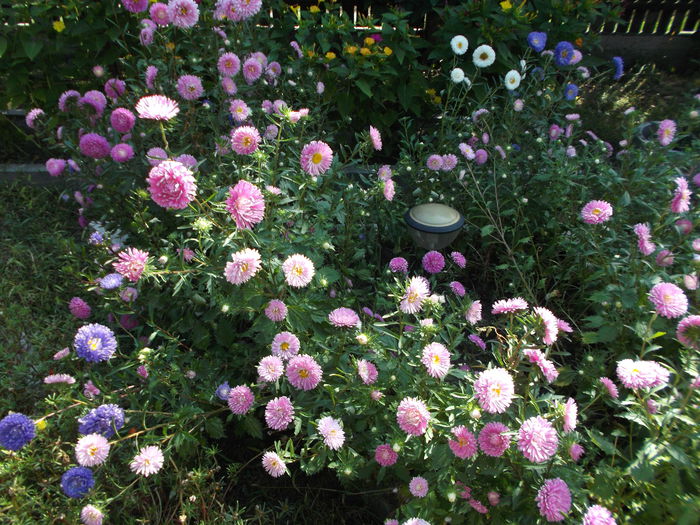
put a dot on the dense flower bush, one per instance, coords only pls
(248, 277)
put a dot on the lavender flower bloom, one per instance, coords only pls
(619, 67)
(16, 430)
(95, 343)
(96, 238)
(223, 390)
(77, 482)
(570, 91)
(111, 281)
(104, 420)
(537, 41)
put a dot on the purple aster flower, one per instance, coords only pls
(111, 281)
(223, 390)
(537, 41)
(563, 54)
(104, 420)
(77, 482)
(619, 67)
(16, 430)
(433, 262)
(478, 341)
(95, 343)
(398, 264)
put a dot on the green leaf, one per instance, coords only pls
(601, 442)
(252, 427)
(31, 46)
(641, 470)
(214, 427)
(3, 45)
(487, 229)
(364, 87)
(606, 334)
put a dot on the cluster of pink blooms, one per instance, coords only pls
(643, 233)
(442, 162)
(536, 357)
(641, 374)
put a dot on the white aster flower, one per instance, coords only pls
(457, 75)
(512, 80)
(459, 45)
(484, 56)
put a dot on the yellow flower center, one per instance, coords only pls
(92, 450)
(496, 390)
(303, 373)
(93, 343)
(244, 267)
(284, 346)
(183, 10)
(412, 297)
(298, 270)
(316, 158)
(436, 359)
(483, 56)
(597, 211)
(247, 141)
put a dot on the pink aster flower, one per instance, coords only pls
(449, 162)
(493, 439)
(243, 265)
(122, 153)
(398, 264)
(644, 239)
(478, 506)
(122, 120)
(156, 155)
(332, 432)
(596, 212)
(389, 189)
(114, 88)
(367, 371)
(681, 196)
(597, 515)
(457, 288)
(641, 374)
(135, 6)
(434, 162)
(467, 151)
(494, 389)
(276, 310)
(183, 13)
(229, 86)
(298, 270)
(508, 306)
(79, 308)
(94, 145)
(240, 399)
(131, 263)
(90, 390)
(376, 138)
(229, 64)
(665, 258)
(279, 413)
(285, 345)
(171, 185)
(270, 368)
(666, 132)
(91, 450)
(316, 157)
(459, 259)
(384, 172)
(473, 314)
(554, 499)
(160, 14)
(688, 331)
(245, 140)
(304, 372)
(68, 100)
(273, 464)
(478, 341)
(669, 300)
(576, 451)
(417, 291)
(55, 166)
(610, 387)
(433, 262)
(465, 445)
(32, 117)
(684, 225)
(190, 87)
(157, 107)
(550, 322)
(344, 317)
(537, 439)
(436, 359)
(246, 204)
(412, 416)
(91, 515)
(59, 378)
(385, 455)
(252, 70)
(239, 110)
(481, 156)
(148, 461)
(418, 487)
(61, 354)
(570, 413)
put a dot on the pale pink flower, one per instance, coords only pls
(417, 291)
(171, 185)
(681, 196)
(465, 445)
(240, 399)
(570, 414)
(273, 464)
(610, 387)
(576, 451)
(436, 359)
(245, 140)
(597, 515)
(279, 413)
(412, 416)
(494, 389)
(246, 204)
(596, 212)
(418, 487)
(304, 372)
(270, 368)
(537, 439)
(473, 315)
(389, 189)
(367, 371)
(459, 259)
(239, 110)
(91, 450)
(285, 345)
(641, 374)
(229, 64)
(688, 331)
(298, 270)
(644, 243)
(376, 138)
(61, 354)
(344, 318)
(157, 107)
(252, 70)
(554, 499)
(509, 306)
(493, 439)
(276, 310)
(669, 300)
(59, 378)
(183, 13)
(549, 320)
(332, 432)
(665, 258)
(148, 461)
(243, 266)
(666, 132)
(316, 157)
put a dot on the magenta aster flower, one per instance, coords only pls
(183, 13)
(669, 300)
(436, 359)
(666, 132)
(494, 389)
(239, 110)
(433, 262)
(55, 166)
(332, 432)
(376, 138)
(171, 185)
(665, 258)
(156, 155)
(122, 153)
(412, 416)
(245, 140)
(465, 445)
(229, 86)
(367, 371)
(610, 386)
(240, 399)
(131, 263)
(473, 314)
(243, 265)
(570, 413)
(316, 157)
(68, 100)
(549, 320)
(398, 264)
(252, 70)
(279, 413)
(285, 345)
(79, 308)
(91, 450)
(229, 64)
(157, 107)
(344, 317)
(459, 259)
(273, 464)
(434, 162)
(478, 341)
(449, 162)
(32, 117)
(135, 6)
(190, 87)
(687, 332)
(385, 455)
(298, 270)
(493, 439)
(95, 100)
(508, 306)
(537, 439)
(576, 451)
(246, 204)
(596, 212)
(457, 288)
(160, 14)
(481, 156)
(641, 374)
(478, 506)
(417, 291)
(276, 310)
(94, 145)
(148, 461)
(554, 499)
(304, 372)
(681, 196)
(418, 486)
(597, 515)
(114, 88)
(122, 120)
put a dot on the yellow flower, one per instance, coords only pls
(170, 46)
(41, 424)
(314, 9)
(296, 9)
(437, 100)
(369, 41)
(430, 91)
(365, 51)
(387, 51)
(59, 25)
(351, 50)
(506, 5)
(330, 55)
(310, 53)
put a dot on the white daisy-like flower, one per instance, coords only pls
(512, 80)
(457, 75)
(459, 44)
(484, 56)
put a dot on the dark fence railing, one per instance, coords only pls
(656, 17)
